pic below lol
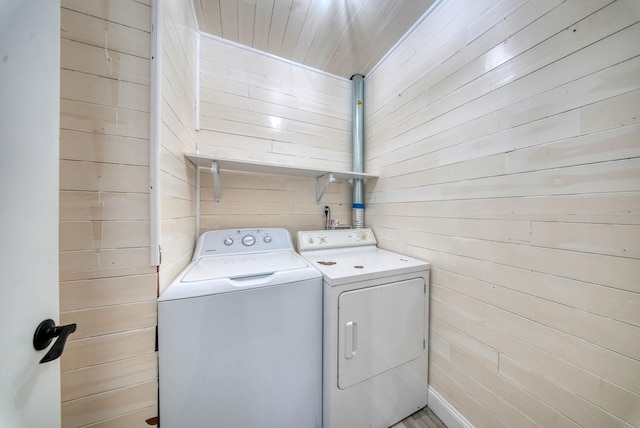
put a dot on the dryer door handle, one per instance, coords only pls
(350, 339)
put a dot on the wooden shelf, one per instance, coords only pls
(217, 164)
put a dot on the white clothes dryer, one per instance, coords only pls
(240, 335)
(376, 303)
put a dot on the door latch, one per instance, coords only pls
(45, 332)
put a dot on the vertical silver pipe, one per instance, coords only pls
(358, 150)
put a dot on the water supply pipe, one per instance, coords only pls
(358, 150)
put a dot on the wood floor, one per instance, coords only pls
(424, 418)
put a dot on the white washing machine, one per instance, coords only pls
(375, 340)
(240, 335)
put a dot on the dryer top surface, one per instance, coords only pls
(347, 265)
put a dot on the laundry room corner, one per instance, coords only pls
(500, 150)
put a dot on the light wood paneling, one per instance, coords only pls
(103, 263)
(103, 119)
(107, 34)
(582, 324)
(102, 235)
(525, 82)
(87, 294)
(98, 407)
(91, 59)
(260, 108)
(178, 248)
(108, 287)
(103, 177)
(508, 158)
(106, 377)
(131, 13)
(92, 147)
(253, 200)
(107, 348)
(135, 419)
(505, 136)
(178, 121)
(341, 38)
(577, 409)
(83, 206)
(617, 208)
(447, 354)
(278, 112)
(612, 239)
(112, 319)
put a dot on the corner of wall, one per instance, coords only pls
(448, 414)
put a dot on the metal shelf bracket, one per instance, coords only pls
(215, 172)
(328, 178)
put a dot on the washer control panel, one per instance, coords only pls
(340, 238)
(235, 241)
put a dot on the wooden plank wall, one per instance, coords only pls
(257, 107)
(506, 135)
(107, 287)
(178, 117)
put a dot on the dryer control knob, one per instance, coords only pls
(228, 241)
(248, 240)
(267, 239)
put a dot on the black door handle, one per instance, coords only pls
(45, 332)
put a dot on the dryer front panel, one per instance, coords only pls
(379, 329)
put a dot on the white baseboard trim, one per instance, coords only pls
(448, 414)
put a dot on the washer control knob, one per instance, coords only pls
(248, 240)
(267, 239)
(228, 241)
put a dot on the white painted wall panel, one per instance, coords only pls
(291, 103)
(506, 141)
(257, 107)
(177, 134)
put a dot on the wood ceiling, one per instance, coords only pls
(341, 37)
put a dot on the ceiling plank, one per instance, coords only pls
(229, 17)
(279, 19)
(211, 21)
(341, 37)
(316, 16)
(297, 18)
(365, 23)
(360, 50)
(246, 21)
(264, 11)
(346, 28)
(403, 20)
(326, 37)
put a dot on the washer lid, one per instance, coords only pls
(242, 265)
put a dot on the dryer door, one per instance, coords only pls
(379, 328)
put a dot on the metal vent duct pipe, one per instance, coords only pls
(358, 150)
